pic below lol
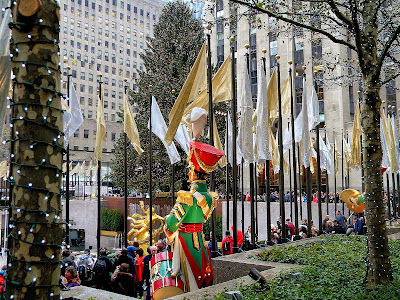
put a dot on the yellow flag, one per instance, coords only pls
(82, 169)
(195, 83)
(64, 168)
(286, 96)
(130, 127)
(70, 168)
(272, 97)
(101, 129)
(355, 140)
(221, 88)
(386, 133)
(96, 167)
(218, 144)
(64, 105)
(89, 169)
(3, 168)
(347, 151)
(274, 150)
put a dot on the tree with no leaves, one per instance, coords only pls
(370, 29)
(35, 231)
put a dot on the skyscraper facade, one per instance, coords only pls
(103, 37)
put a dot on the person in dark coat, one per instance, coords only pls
(102, 271)
(124, 283)
(124, 258)
(66, 261)
(337, 229)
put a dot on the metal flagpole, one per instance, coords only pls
(243, 198)
(214, 251)
(308, 185)
(300, 182)
(234, 159)
(348, 165)
(150, 170)
(267, 177)
(99, 185)
(227, 171)
(256, 198)
(334, 169)
(290, 185)
(251, 170)
(67, 173)
(327, 180)
(280, 145)
(126, 181)
(292, 114)
(318, 166)
(173, 184)
(343, 187)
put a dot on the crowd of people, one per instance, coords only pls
(125, 272)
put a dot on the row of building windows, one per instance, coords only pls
(107, 10)
(104, 150)
(86, 134)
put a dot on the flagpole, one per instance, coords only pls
(348, 165)
(280, 142)
(343, 187)
(318, 165)
(267, 177)
(99, 183)
(290, 184)
(214, 250)
(150, 209)
(234, 152)
(292, 114)
(300, 183)
(227, 170)
(67, 173)
(327, 180)
(256, 200)
(126, 180)
(242, 182)
(251, 170)
(334, 168)
(308, 178)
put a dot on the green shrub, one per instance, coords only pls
(112, 220)
(333, 267)
(207, 228)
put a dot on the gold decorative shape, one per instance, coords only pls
(141, 226)
(247, 46)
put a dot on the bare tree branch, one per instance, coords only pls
(389, 43)
(339, 14)
(296, 23)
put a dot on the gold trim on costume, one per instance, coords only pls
(196, 244)
(204, 239)
(185, 197)
(204, 166)
(181, 210)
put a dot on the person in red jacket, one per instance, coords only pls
(227, 244)
(239, 237)
(291, 227)
(139, 273)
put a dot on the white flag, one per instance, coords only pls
(82, 169)
(325, 156)
(159, 128)
(245, 136)
(262, 129)
(76, 169)
(305, 149)
(228, 141)
(74, 119)
(396, 140)
(313, 109)
(183, 138)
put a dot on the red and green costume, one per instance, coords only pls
(184, 225)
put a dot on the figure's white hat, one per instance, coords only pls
(198, 119)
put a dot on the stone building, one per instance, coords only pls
(336, 92)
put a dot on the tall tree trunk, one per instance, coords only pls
(35, 234)
(379, 267)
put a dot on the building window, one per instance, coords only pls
(86, 133)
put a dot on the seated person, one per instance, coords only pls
(337, 229)
(71, 277)
(124, 281)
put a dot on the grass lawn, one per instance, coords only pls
(334, 268)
